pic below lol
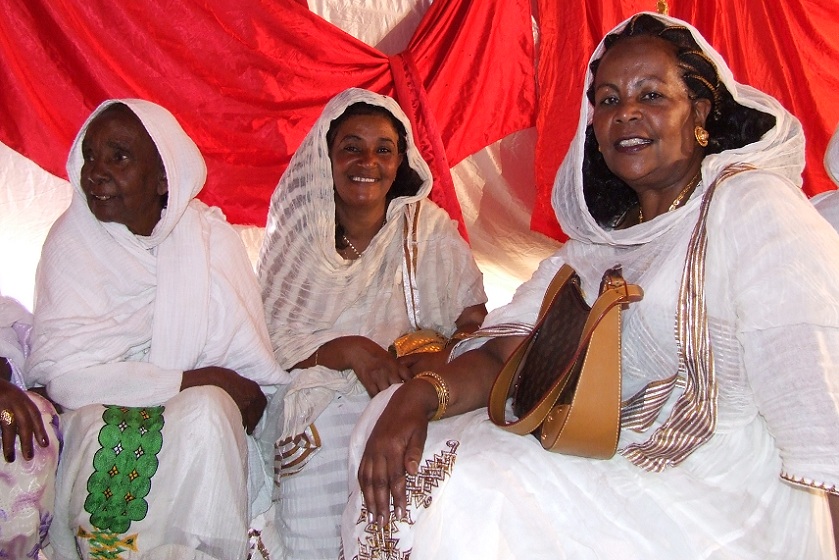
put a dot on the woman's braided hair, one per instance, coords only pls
(729, 124)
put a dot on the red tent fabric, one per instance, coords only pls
(787, 48)
(248, 79)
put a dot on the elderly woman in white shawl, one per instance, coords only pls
(354, 257)
(30, 437)
(149, 332)
(724, 455)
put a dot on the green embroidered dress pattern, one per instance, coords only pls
(122, 470)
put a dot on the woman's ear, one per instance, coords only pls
(701, 109)
(162, 182)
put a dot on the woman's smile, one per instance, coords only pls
(632, 145)
(359, 179)
(365, 158)
(644, 119)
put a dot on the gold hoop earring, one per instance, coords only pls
(701, 135)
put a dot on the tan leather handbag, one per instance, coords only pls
(566, 375)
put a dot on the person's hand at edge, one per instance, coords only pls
(20, 419)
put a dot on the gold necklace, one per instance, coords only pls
(692, 184)
(351, 246)
(349, 243)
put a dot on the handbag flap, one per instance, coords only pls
(553, 347)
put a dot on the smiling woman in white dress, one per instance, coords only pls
(355, 256)
(724, 455)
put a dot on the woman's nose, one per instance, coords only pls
(627, 111)
(367, 158)
(95, 172)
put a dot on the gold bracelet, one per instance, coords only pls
(442, 389)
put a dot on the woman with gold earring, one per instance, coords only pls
(729, 379)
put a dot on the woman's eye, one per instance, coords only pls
(384, 150)
(652, 95)
(611, 100)
(350, 148)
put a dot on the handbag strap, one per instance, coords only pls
(609, 298)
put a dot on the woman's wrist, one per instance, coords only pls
(418, 395)
(441, 389)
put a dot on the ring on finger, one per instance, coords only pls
(6, 417)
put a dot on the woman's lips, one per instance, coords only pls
(632, 144)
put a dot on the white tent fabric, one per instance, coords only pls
(496, 186)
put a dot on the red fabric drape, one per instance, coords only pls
(787, 48)
(247, 79)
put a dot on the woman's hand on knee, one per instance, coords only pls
(394, 449)
(245, 392)
(19, 419)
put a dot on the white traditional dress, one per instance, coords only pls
(417, 273)
(27, 488)
(148, 470)
(751, 484)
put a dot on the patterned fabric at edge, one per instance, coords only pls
(118, 319)
(27, 488)
(312, 295)
(756, 488)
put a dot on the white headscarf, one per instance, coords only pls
(106, 298)
(831, 157)
(305, 283)
(781, 150)
(827, 203)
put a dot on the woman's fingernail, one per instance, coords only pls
(369, 517)
(399, 514)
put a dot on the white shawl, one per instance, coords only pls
(307, 285)
(119, 317)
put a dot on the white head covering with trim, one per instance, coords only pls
(306, 284)
(780, 151)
